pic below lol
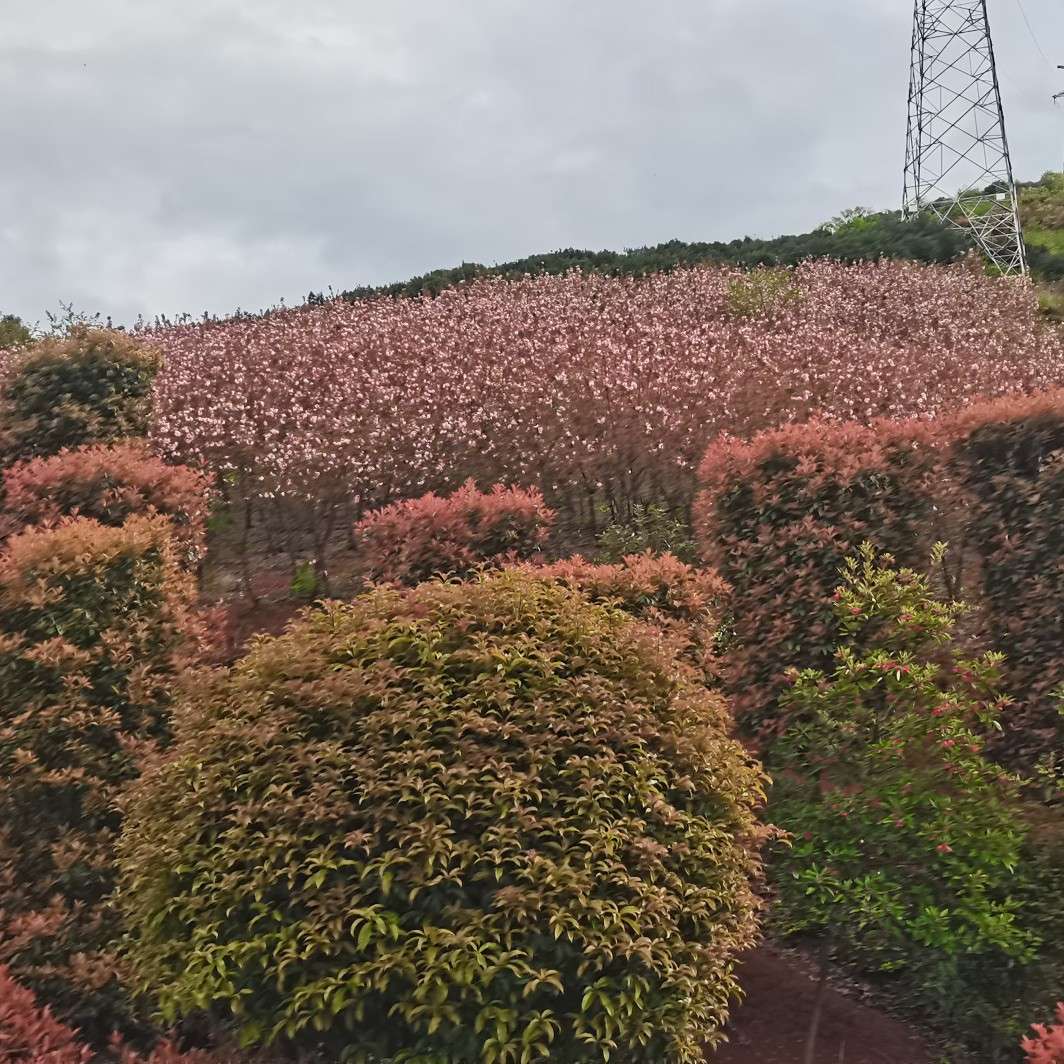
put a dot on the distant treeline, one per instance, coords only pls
(854, 237)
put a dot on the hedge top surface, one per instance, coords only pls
(466, 822)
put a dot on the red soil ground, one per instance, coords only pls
(770, 1026)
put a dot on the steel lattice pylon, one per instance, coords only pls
(957, 161)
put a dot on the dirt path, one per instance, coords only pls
(770, 1026)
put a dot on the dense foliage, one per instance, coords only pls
(601, 392)
(907, 849)
(685, 604)
(649, 527)
(109, 484)
(876, 236)
(483, 821)
(92, 620)
(12, 332)
(92, 386)
(414, 540)
(779, 515)
(1010, 456)
(30, 1034)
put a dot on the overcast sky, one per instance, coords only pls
(159, 156)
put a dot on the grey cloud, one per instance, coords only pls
(204, 154)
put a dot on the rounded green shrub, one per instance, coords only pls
(464, 822)
(93, 386)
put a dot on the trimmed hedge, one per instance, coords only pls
(1010, 458)
(484, 821)
(92, 620)
(109, 484)
(415, 540)
(778, 515)
(94, 386)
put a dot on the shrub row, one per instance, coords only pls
(778, 515)
(909, 851)
(93, 623)
(1009, 458)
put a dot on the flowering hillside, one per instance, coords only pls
(600, 391)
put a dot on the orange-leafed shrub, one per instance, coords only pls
(683, 602)
(30, 1034)
(93, 624)
(778, 515)
(1010, 458)
(414, 540)
(109, 484)
(1047, 1046)
(494, 789)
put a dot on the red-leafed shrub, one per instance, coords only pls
(778, 516)
(1010, 457)
(30, 1034)
(412, 541)
(93, 623)
(109, 484)
(1047, 1046)
(683, 602)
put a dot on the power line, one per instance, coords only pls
(1034, 36)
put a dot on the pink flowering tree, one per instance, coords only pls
(601, 392)
(906, 845)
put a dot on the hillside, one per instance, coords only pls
(854, 236)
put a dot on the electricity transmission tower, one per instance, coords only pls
(957, 161)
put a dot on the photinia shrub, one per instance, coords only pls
(30, 1034)
(1010, 458)
(684, 603)
(93, 621)
(412, 541)
(109, 484)
(484, 821)
(907, 841)
(778, 516)
(93, 386)
(1047, 1047)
